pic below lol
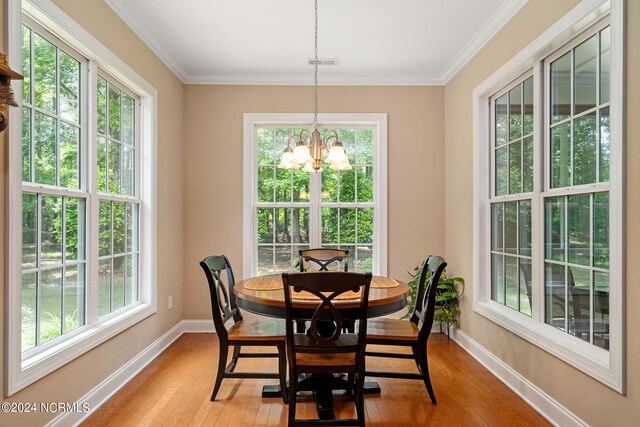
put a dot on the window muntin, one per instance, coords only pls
(286, 200)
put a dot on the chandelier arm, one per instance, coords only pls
(301, 133)
(330, 134)
(289, 140)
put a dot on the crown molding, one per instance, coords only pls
(482, 37)
(498, 20)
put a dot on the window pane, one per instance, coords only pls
(28, 310)
(502, 170)
(364, 256)
(329, 185)
(497, 227)
(114, 112)
(265, 184)
(527, 88)
(524, 227)
(348, 137)
(281, 137)
(102, 165)
(365, 225)
(29, 230)
(119, 228)
(69, 88)
(283, 225)
(579, 302)
(365, 184)
(300, 225)
(283, 259)
(51, 233)
(605, 64)
(104, 287)
(265, 225)
(266, 155)
(128, 170)
(515, 168)
(26, 65)
(527, 162)
(105, 228)
(295, 256)
(26, 144)
(561, 88)
(69, 156)
(347, 186)
(561, 155)
(45, 149)
(555, 295)
(604, 144)
(74, 291)
(511, 282)
(131, 226)
(584, 149)
(301, 186)
(127, 119)
(330, 226)
(347, 225)
(515, 113)
(525, 286)
(119, 265)
(554, 228)
(284, 179)
(114, 167)
(502, 124)
(585, 77)
(511, 227)
(265, 260)
(50, 304)
(497, 278)
(74, 228)
(102, 106)
(364, 138)
(44, 73)
(131, 280)
(601, 230)
(601, 310)
(579, 228)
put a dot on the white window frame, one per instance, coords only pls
(252, 121)
(22, 371)
(607, 367)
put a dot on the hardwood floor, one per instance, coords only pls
(174, 390)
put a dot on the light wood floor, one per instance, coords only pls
(175, 389)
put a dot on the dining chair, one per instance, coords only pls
(326, 352)
(241, 332)
(413, 333)
(580, 323)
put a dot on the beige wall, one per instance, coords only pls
(71, 382)
(213, 169)
(593, 402)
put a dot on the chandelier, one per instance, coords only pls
(310, 145)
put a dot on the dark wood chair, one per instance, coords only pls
(325, 349)
(580, 323)
(260, 332)
(323, 258)
(413, 333)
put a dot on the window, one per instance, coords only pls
(290, 210)
(548, 239)
(81, 257)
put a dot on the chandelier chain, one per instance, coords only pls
(315, 110)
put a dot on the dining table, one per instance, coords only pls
(264, 295)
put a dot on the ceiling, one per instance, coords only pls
(378, 42)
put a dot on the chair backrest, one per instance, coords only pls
(326, 286)
(223, 302)
(323, 257)
(424, 308)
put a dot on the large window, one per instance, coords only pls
(550, 208)
(292, 210)
(78, 271)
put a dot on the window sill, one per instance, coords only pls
(580, 354)
(44, 362)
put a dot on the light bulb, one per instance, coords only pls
(301, 153)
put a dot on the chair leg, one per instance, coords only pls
(424, 369)
(234, 358)
(222, 363)
(282, 370)
(359, 398)
(293, 386)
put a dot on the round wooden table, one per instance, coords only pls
(382, 301)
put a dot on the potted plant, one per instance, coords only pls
(448, 294)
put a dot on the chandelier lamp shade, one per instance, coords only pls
(310, 146)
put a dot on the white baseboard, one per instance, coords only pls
(107, 388)
(553, 411)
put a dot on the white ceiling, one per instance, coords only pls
(402, 42)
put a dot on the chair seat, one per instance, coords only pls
(334, 359)
(257, 330)
(392, 329)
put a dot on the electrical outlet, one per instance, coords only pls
(170, 302)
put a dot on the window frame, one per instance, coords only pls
(251, 121)
(22, 370)
(607, 367)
